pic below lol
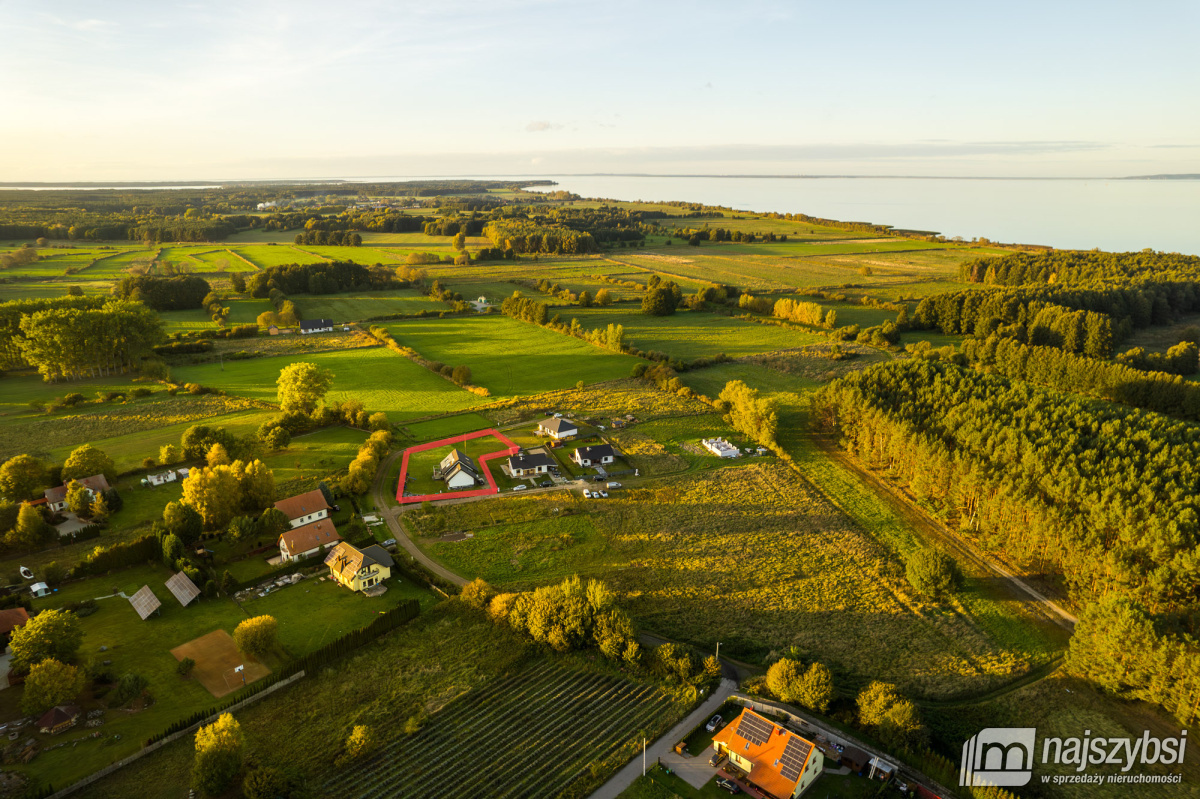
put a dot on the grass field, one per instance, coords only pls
(449, 426)
(355, 306)
(692, 334)
(265, 255)
(510, 357)
(379, 378)
(585, 725)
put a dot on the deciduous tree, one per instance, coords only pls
(302, 387)
(256, 636)
(22, 477)
(50, 683)
(86, 461)
(218, 755)
(50, 634)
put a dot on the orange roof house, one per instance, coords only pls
(11, 619)
(304, 508)
(778, 761)
(308, 539)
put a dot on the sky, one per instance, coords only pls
(258, 90)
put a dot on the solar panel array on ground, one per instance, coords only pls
(183, 588)
(145, 602)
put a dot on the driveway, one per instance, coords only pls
(72, 524)
(662, 748)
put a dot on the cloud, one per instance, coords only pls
(541, 125)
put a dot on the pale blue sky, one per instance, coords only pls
(151, 90)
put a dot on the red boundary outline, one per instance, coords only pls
(483, 459)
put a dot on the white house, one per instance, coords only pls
(598, 455)
(528, 464)
(308, 539)
(56, 498)
(305, 508)
(458, 471)
(558, 428)
(316, 326)
(720, 447)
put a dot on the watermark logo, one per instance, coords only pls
(1000, 756)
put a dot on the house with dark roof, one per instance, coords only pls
(316, 326)
(558, 428)
(778, 762)
(58, 719)
(458, 470)
(360, 569)
(598, 455)
(56, 498)
(528, 464)
(308, 539)
(304, 508)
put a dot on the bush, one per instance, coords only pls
(933, 573)
(257, 636)
(130, 687)
(184, 669)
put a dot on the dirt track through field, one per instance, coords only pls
(934, 530)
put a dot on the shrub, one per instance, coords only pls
(257, 636)
(184, 669)
(933, 573)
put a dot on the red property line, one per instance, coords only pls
(483, 459)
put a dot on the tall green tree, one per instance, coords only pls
(22, 477)
(86, 461)
(302, 387)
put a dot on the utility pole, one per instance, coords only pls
(643, 756)
(718, 651)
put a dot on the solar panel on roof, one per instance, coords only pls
(145, 602)
(183, 588)
(754, 729)
(793, 758)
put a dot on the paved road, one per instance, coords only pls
(663, 746)
(379, 492)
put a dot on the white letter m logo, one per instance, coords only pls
(1000, 756)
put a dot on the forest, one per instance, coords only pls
(1075, 266)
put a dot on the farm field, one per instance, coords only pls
(265, 255)
(585, 724)
(449, 426)
(355, 306)
(377, 377)
(510, 357)
(692, 334)
(751, 556)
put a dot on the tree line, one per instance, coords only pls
(177, 293)
(323, 278)
(73, 343)
(1074, 266)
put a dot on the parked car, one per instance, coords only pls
(714, 723)
(520, 488)
(587, 494)
(614, 485)
(545, 484)
(603, 493)
(728, 785)
(717, 759)
(596, 478)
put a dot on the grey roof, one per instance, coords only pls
(529, 460)
(378, 554)
(596, 452)
(311, 323)
(558, 424)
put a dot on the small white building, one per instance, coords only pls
(304, 508)
(39, 589)
(558, 428)
(316, 326)
(597, 455)
(168, 476)
(720, 447)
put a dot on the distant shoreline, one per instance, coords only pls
(204, 184)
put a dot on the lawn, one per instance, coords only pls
(265, 255)
(312, 457)
(510, 357)
(691, 334)
(377, 377)
(422, 464)
(355, 306)
(447, 426)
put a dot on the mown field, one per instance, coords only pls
(510, 357)
(377, 377)
(353, 306)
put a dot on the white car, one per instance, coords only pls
(603, 494)
(587, 494)
(520, 488)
